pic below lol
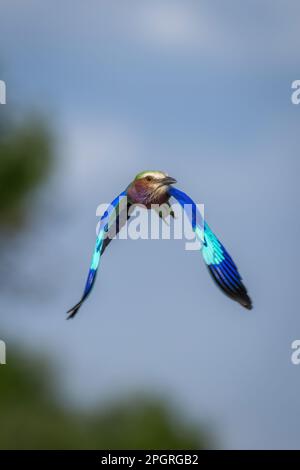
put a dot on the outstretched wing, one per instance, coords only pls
(111, 223)
(220, 264)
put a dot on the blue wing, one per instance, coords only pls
(220, 264)
(102, 241)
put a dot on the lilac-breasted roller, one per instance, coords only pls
(156, 187)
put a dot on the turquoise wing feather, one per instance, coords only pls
(103, 238)
(217, 259)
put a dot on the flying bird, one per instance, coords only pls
(156, 187)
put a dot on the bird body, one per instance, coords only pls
(155, 188)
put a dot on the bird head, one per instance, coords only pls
(150, 187)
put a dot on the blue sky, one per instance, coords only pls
(200, 90)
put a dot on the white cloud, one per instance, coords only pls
(233, 30)
(169, 24)
(240, 32)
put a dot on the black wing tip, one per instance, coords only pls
(246, 302)
(248, 306)
(72, 312)
(240, 295)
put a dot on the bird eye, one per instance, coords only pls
(149, 178)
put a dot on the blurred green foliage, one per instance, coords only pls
(25, 159)
(32, 417)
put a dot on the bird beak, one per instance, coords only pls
(167, 181)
